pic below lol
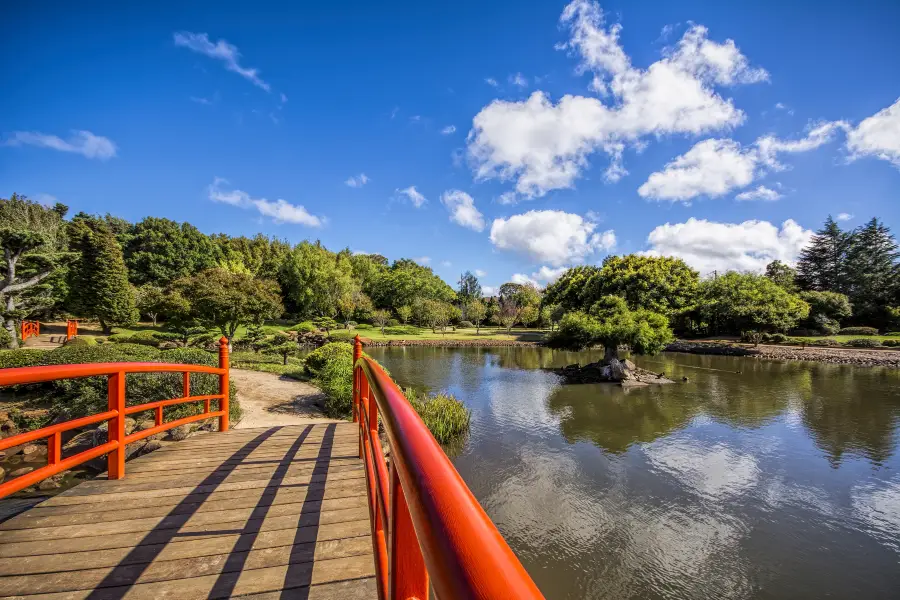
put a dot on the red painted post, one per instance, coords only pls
(357, 354)
(22, 330)
(408, 575)
(223, 383)
(115, 460)
(54, 448)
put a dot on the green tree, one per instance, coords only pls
(325, 323)
(381, 318)
(557, 311)
(823, 263)
(469, 289)
(100, 287)
(515, 298)
(782, 274)
(33, 239)
(404, 312)
(405, 282)
(476, 311)
(161, 251)
(736, 302)
(150, 300)
(568, 289)
(227, 300)
(611, 324)
(657, 283)
(831, 304)
(283, 345)
(315, 281)
(873, 272)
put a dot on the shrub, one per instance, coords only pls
(752, 337)
(825, 325)
(466, 325)
(864, 343)
(891, 343)
(893, 333)
(351, 324)
(335, 378)
(318, 358)
(342, 335)
(402, 330)
(802, 332)
(393, 323)
(82, 340)
(304, 327)
(825, 342)
(444, 415)
(147, 338)
(5, 338)
(575, 330)
(364, 326)
(858, 331)
(778, 338)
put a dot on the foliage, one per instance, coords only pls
(282, 345)
(255, 336)
(752, 337)
(315, 280)
(82, 340)
(317, 359)
(100, 287)
(444, 415)
(831, 304)
(150, 300)
(33, 241)
(404, 312)
(858, 331)
(469, 288)
(381, 317)
(465, 325)
(826, 325)
(476, 311)
(873, 272)
(515, 300)
(160, 251)
(782, 275)
(570, 290)
(891, 343)
(304, 327)
(612, 324)
(74, 398)
(228, 300)
(744, 301)
(657, 283)
(864, 343)
(405, 282)
(822, 264)
(365, 326)
(325, 323)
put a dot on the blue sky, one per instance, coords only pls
(540, 136)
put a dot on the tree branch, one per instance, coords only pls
(17, 287)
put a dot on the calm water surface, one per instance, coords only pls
(755, 479)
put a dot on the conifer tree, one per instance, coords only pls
(873, 271)
(822, 264)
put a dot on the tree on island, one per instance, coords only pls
(227, 301)
(611, 324)
(33, 240)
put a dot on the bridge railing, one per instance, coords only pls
(115, 414)
(30, 329)
(71, 329)
(427, 527)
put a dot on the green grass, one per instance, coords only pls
(268, 363)
(444, 415)
(847, 338)
(424, 333)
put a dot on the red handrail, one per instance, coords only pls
(30, 329)
(115, 415)
(427, 527)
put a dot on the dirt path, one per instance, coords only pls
(268, 399)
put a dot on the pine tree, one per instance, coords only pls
(99, 287)
(822, 264)
(872, 271)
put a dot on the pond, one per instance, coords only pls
(754, 479)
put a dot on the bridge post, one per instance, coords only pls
(357, 354)
(223, 383)
(115, 460)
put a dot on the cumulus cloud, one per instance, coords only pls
(844, 216)
(488, 290)
(547, 274)
(480, 273)
(748, 246)
(550, 236)
(413, 195)
(545, 146)
(523, 279)
(878, 136)
(357, 180)
(761, 192)
(462, 209)
(80, 142)
(223, 51)
(715, 167)
(448, 130)
(279, 210)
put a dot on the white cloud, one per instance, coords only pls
(523, 279)
(446, 263)
(715, 167)
(545, 146)
(448, 130)
(423, 260)
(547, 274)
(284, 98)
(357, 180)
(550, 236)
(748, 246)
(413, 195)
(518, 80)
(491, 81)
(844, 216)
(508, 198)
(221, 50)
(716, 472)
(279, 211)
(761, 192)
(47, 199)
(488, 290)
(80, 142)
(480, 273)
(878, 135)
(462, 209)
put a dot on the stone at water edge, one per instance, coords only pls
(48, 485)
(22, 471)
(33, 451)
(629, 365)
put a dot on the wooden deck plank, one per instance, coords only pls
(244, 513)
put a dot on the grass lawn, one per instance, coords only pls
(424, 333)
(268, 363)
(847, 338)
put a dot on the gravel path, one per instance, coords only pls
(269, 400)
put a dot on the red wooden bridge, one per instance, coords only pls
(309, 511)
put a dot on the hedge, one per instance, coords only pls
(864, 343)
(858, 331)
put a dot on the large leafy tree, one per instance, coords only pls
(736, 302)
(151, 301)
(161, 251)
(469, 288)
(405, 282)
(830, 304)
(568, 290)
(782, 274)
(516, 301)
(611, 324)
(33, 239)
(261, 256)
(225, 300)
(99, 284)
(873, 272)
(656, 283)
(823, 266)
(315, 281)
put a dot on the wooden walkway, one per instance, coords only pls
(268, 513)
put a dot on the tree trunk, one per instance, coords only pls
(107, 329)
(11, 323)
(285, 359)
(610, 352)
(153, 318)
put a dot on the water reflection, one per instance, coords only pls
(753, 480)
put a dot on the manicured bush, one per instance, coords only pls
(335, 378)
(342, 335)
(825, 342)
(893, 333)
(351, 324)
(802, 332)
(778, 338)
(73, 398)
(393, 323)
(465, 325)
(826, 325)
(5, 338)
(404, 330)
(444, 415)
(864, 343)
(364, 326)
(146, 338)
(891, 343)
(318, 358)
(858, 331)
(82, 340)
(304, 327)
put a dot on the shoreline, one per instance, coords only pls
(447, 343)
(860, 357)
